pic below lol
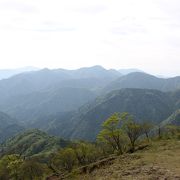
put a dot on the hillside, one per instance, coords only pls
(145, 105)
(174, 119)
(31, 106)
(30, 95)
(8, 127)
(144, 81)
(158, 161)
(33, 95)
(33, 143)
(62, 102)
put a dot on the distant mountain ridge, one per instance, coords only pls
(28, 95)
(128, 71)
(7, 73)
(144, 81)
(72, 103)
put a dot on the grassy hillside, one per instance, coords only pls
(160, 160)
(115, 155)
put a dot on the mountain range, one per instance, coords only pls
(128, 71)
(145, 105)
(144, 81)
(7, 73)
(73, 103)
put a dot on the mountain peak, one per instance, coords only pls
(96, 67)
(127, 71)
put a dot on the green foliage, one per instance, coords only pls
(112, 133)
(118, 128)
(146, 128)
(32, 169)
(17, 168)
(10, 167)
(33, 143)
(133, 130)
(86, 153)
(118, 131)
(143, 104)
(64, 160)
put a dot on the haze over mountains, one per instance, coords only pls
(146, 105)
(144, 81)
(9, 127)
(7, 73)
(74, 103)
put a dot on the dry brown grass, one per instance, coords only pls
(160, 160)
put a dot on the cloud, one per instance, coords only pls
(128, 25)
(128, 29)
(70, 34)
(51, 26)
(55, 29)
(17, 6)
(93, 9)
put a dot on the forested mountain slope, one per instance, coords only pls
(146, 105)
(33, 142)
(8, 127)
(144, 81)
(31, 106)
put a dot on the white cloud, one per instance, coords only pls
(70, 34)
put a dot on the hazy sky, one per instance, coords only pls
(142, 34)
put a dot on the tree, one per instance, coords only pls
(146, 128)
(4, 171)
(10, 167)
(159, 132)
(85, 152)
(65, 159)
(132, 129)
(31, 169)
(112, 133)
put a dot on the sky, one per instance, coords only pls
(77, 33)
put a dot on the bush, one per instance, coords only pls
(65, 159)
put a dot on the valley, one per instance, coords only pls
(53, 117)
